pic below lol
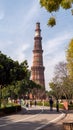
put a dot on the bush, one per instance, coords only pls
(10, 110)
(70, 106)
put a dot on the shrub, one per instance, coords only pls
(70, 106)
(10, 110)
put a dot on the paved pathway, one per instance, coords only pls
(34, 119)
(59, 125)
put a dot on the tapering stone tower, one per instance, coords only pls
(37, 69)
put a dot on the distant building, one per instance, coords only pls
(37, 69)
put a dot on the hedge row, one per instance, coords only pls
(10, 110)
(70, 106)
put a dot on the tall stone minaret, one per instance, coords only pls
(37, 69)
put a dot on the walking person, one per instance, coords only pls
(43, 101)
(35, 103)
(30, 103)
(51, 104)
(57, 105)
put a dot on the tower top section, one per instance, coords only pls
(37, 25)
(37, 30)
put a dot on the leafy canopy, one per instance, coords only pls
(11, 71)
(69, 56)
(54, 5)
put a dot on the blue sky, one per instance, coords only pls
(17, 28)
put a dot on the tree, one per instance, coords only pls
(11, 71)
(61, 84)
(54, 6)
(55, 89)
(69, 56)
(61, 71)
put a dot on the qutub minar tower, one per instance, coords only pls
(37, 69)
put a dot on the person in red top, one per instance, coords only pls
(65, 105)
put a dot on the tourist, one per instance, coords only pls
(35, 103)
(51, 104)
(30, 103)
(57, 105)
(43, 102)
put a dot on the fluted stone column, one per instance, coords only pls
(37, 69)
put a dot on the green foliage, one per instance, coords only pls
(70, 106)
(19, 88)
(12, 75)
(46, 103)
(5, 92)
(54, 5)
(51, 22)
(66, 4)
(11, 71)
(61, 85)
(15, 78)
(50, 5)
(69, 56)
(55, 90)
(62, 82)
(10, 110)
